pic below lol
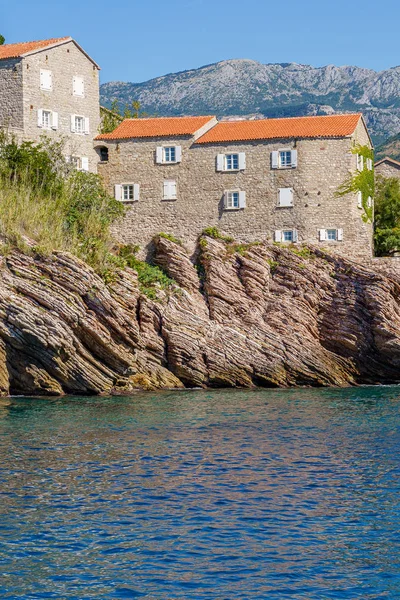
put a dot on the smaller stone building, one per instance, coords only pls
(270, 179)
(51, 87)
(388, 167)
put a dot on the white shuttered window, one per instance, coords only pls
(78, 86)
(46, 80)
(169, 190)
(285, 197)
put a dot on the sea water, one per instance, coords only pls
(219, 494)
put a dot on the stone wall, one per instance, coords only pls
(64, 61)
(388, 169)
(11, 104)
(323, 164)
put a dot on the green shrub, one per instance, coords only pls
(214, 232)
(170, 237)
(150, 277)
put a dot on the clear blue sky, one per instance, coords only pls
(136, 40)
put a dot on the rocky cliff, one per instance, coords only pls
(246, 315)
(245, 87)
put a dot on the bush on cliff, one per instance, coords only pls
(45, 199)
(387, 216)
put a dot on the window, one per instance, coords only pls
(127, 192)
(234, 199)
(81, 163)
(285, 197)
(284, 159)
(169, 190)
(360, 162)
(103, 151)
(79, 124)
(46, 119)
(168, 154)
(75, 161)
(286, 235)
(78, 86)
(231, 162)
(46, 80)
(331, 235)
(369, 164)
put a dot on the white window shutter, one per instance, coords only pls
(294, 158)
(242, 161)
(369, 202)
(340, 235)
(178, 153)
(275, 159)
(118, 192)
(322, 235)
(136, 192)
(73, 123)
(159, 155)
(85, 163)
(86, 125)
(220, 162)
(278, 235)
(295, 235)
(242, 199)
(172, 189)
(369, 164)
(166, 189)
(359, 199)
(54, 120)
(46, 79)
(360, 162)
(40, 117)
(285, 197)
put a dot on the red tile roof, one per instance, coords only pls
(156, 127)
(330, 126)
(17, 50)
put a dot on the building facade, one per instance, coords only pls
(51, 88)
(388, 167)
(273, 179)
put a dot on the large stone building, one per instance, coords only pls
(272, 179)
(51, 87)
(388, 167)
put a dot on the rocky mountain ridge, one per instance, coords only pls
(247, 87)
(245, 315)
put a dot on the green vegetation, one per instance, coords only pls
(151, 278)
(363, 181)
(170, 237)
(214, 232)
(387, 216)
(113, 117)
(46, 200)
(2, 39)
(304, 252)
(273, 265)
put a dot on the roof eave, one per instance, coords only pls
(61, 43)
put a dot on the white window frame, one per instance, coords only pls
(229, 200)
(223, 162)
(276, 158)
(119, 192)
(79, 119)
(168, 186)
(369, 164)
(284, 165)
(280, 234)
(229, 161)
(167, 152)
(85, 124)
(360, 162)
(161, 154)
(78, 84)
(46, 121)
(46, 80)
(323, 235)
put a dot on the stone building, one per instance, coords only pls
(388, 167)
(51, 87)
(273, 179)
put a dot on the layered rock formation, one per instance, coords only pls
(244, 316)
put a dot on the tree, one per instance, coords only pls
(111, 118)
(2, 39)
(387, 216)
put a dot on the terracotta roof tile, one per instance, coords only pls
(156, 127)
(293, 127)
(17, 50)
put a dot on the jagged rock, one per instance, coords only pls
(244, 316)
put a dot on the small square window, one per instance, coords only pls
(331, 235)
(232, 200)
(127, 192)
(287, 235)
(46, 119)
(232, 162)
(79, 124)
(169, 154)
(285, 159)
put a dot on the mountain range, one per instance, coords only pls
(245, 87)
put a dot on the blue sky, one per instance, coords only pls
(137, 40)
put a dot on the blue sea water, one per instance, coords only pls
(202, 494)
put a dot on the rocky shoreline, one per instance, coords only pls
(244, 315)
